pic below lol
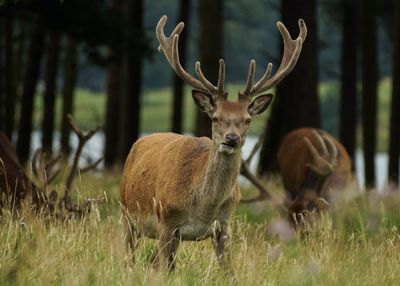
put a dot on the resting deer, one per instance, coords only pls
(312, 164)
(177, 187)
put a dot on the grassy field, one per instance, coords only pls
(157, 105)
(358, 243)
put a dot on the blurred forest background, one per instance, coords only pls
(98, 60)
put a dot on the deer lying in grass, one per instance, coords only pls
(312, 164)
(177, 187)
(16, 186)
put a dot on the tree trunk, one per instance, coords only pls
(369, 88)
(30, 82)
(130, 104)
(9, 77)
(113, 109)
(348, 100)
(18, 75)
(394, 144)
(296, 102)
(70, 76)
(2, 73)
(53, 51)
(210, 51)
(178, 85)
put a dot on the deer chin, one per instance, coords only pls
(227, 149)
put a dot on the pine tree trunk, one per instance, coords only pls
(2, 73)
(70, 76)
(210, 51)
(113, 108)
(18, 75)
(348, 97)
(296, 101)
(53, 51)
(32, 75)
(394, 144)
(178, 85)
(369, 88)
(130, 103)
(9, 77)
(114, 90)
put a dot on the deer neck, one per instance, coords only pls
(221, 175)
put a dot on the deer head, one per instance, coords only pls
(231, 119)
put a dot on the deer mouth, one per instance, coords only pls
(227, 148)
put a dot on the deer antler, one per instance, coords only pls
(82, 140)
(169, 46)
(291, 53)
(322, 164)
(43, 167)
(245, 171)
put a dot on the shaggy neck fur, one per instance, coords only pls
(220, 177)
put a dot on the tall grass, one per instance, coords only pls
(358, 243)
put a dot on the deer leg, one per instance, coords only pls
(221, 239)
(168, 244)
(132, 237)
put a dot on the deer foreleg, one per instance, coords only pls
(168, 244)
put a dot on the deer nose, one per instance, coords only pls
(232, 139)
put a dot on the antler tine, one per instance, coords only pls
(90, 166)
(221, 78)
(312, 148)
(250, 77)
(333, 151)
(219, 89)
(165, 42)
(320, 163)
(169, 46)
(265, 77)
(264, 193)
(291, 53)
(321, 142)
(255, 149)
(35, 161)
(209, 86)
(179, 70)
(245, 171)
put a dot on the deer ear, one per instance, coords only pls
(204, 101)
(260, 104)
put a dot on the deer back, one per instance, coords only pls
(163, 167)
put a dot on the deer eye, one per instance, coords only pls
(215, 119)
(247, 121)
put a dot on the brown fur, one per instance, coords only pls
(168, 178)
(178, 187)
(293, 156)
(15, 185)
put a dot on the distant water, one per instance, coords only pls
(95, 147)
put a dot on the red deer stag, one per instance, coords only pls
(312, 163)
(177, 187)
